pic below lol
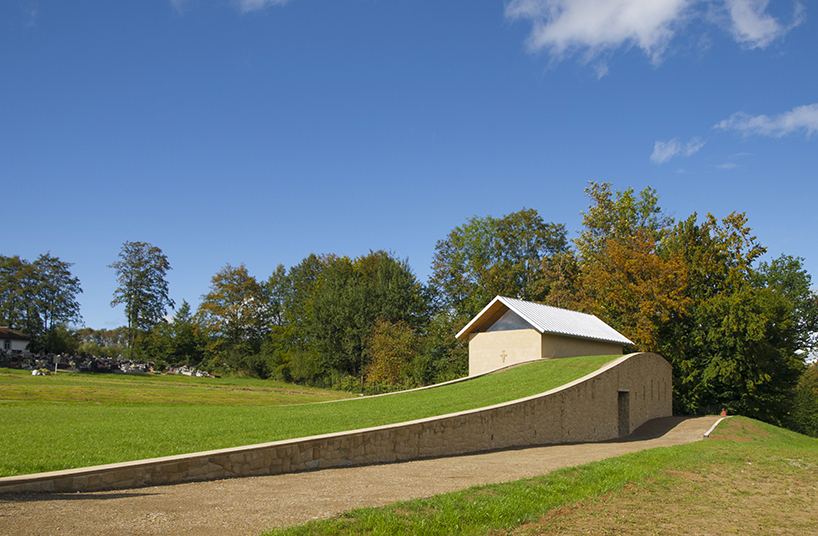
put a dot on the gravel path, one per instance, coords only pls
(247, 506)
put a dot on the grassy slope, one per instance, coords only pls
(749, 478)
(20, 385)
(38, 436)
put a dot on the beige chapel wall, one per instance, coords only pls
(581, 411)
(556, 346)
(497, 349)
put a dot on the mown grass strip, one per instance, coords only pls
(20, 385)
(503, 508)
(47, 436)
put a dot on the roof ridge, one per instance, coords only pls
(555, 320)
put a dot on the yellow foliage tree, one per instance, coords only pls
(634, 287)
(392, 345)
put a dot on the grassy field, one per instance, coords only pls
(20, 385)
(749, 478)
(49, 423)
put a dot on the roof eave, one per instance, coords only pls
(599, 339)
(476, 320)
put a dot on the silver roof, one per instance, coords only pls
(547, 319)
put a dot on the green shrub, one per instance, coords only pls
(805, 408)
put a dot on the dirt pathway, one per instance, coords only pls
(247, 506)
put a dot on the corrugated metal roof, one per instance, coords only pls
(547, 319)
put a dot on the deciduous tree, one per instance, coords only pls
(392, 346)
(787, 276)
(56, 292)
(350, 296)
(40, 298)
(618, 215)
(805, 404)
(489, 256)
(634, 288)
(735, 344)
(17, 294)
(177, 342)
(236, 312)
(143, 288)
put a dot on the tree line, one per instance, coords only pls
(40, 298)
(736, 330)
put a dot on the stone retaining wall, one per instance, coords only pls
(585, 410)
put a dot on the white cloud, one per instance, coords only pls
(693, 146)
(753, 27)
(562, 26)
(244, 6)
(179, 5)
(596, 27)
(728, 165)
(254, 5)
(665, 150)
(797, 119)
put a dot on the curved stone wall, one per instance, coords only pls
(613, 401)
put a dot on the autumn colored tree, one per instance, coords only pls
(624, 275)
(559, 284)
(691, 293)
(235, 314)
(391, 346)
(634, 288)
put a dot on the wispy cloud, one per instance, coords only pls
(727, 165)
(179, 5)
(594, 28)
(801, 118)
(30, 10)
(753, 27)
(665, 150)
(243, 6)
(254, 5)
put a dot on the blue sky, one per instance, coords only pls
(258, 132)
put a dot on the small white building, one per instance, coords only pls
(509, 331)
(13, 340)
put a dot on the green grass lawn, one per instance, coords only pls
(20, 385)
(83, 420)
(749, 478)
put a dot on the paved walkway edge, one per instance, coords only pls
(710, 431)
